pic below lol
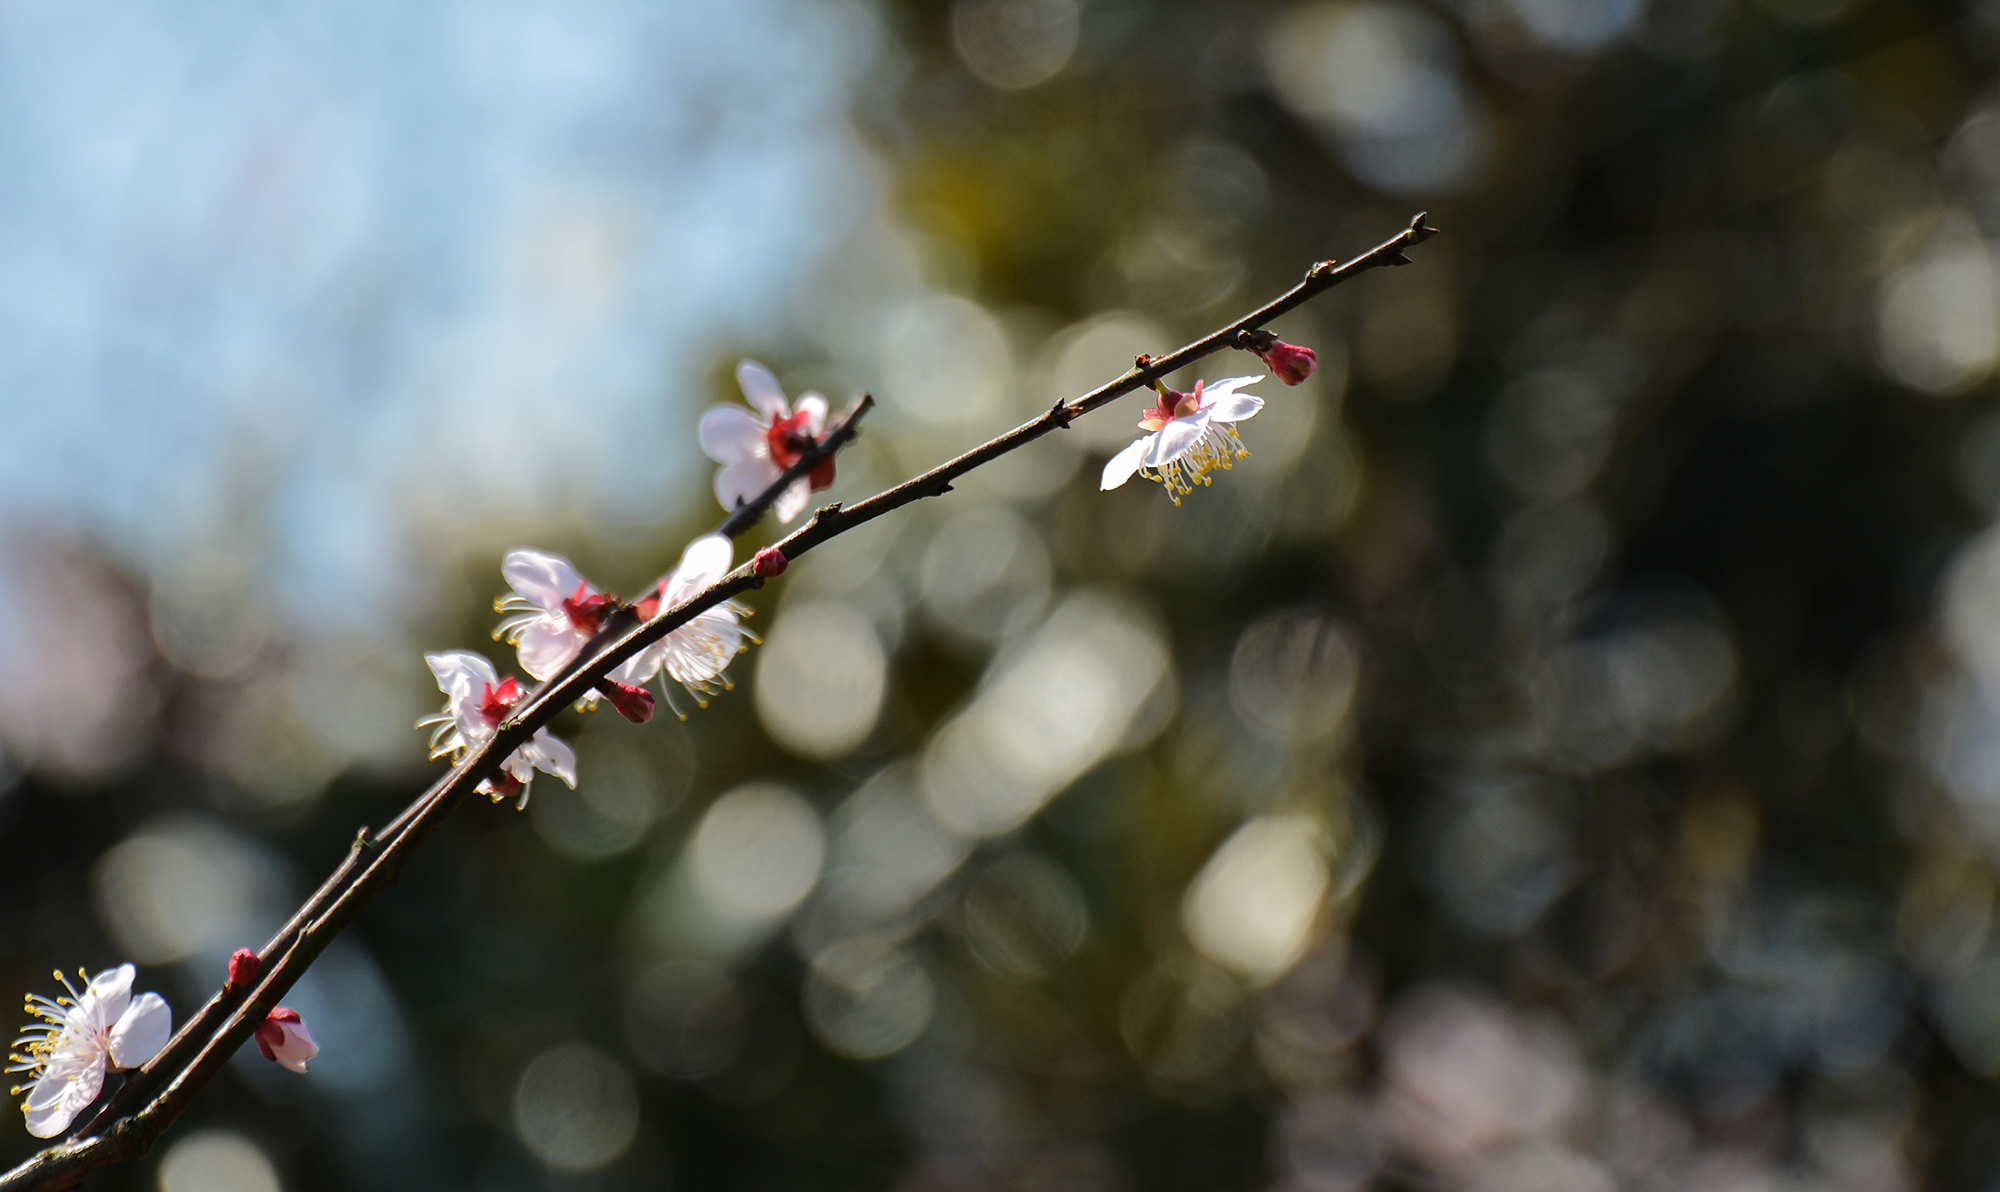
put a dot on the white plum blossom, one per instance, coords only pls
(755, 449)
(555, 611)
(696, 654)
(477, 699)
(75, 1038)
(284, 1039)
(1188, 436)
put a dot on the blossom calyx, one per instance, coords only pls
(1290, 363)
(284, 1039)
(769, 562)
(243, 969)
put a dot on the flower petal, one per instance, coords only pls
(71, 1082)
(551, 755)
(793, 500)
(141, 1031)
(1175, 438)
(546, 646)
(739, 482)
(104, 999)
(542, 577)
(813, 406)
(730, 433)
(1119, 468)
(639, 669)
(297, 1047)
(1235, 408)
(761, 390)
(706, 559)
(1217, 390)
(461, 670)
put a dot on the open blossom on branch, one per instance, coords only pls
(553, 611)
(284, 1039)
(477, 699)
(755, 449)
(74, 1038)
(1188, 436)
(698, 653)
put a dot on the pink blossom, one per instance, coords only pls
(755, 449)
(284, 1039)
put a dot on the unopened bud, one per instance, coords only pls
(243, 968)
(1290, 363)
(770, 562)
(633, 703)
(284, 1039)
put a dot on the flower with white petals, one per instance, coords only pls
(755, 449)
(1188, 436)
(477, 699)
(697, 654)
(284, 1039)
(553, 610)
(75, 1038)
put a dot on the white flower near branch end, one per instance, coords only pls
(756, 449)
(284, 1039)
(477, 699)
(697, 654)
(1189, 436)
(75, 1038)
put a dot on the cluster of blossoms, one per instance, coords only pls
(72, 1039)
(552, 613)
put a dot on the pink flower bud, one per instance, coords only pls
(770, 562)
(1289, 362)
(284, 1039)
(243, 969)
(633, 703)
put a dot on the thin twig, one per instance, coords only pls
(334, 906)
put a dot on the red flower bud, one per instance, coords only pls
(1289, 362)
(243, 968)
(633, 703)
(769, 562)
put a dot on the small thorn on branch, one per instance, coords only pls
(1420, 228)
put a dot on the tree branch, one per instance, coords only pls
(129, 1136)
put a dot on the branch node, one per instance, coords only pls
(1060, 413)
(1420, 228)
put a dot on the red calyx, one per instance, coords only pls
(587, 609)
(769, 562)
(789, 441)
(633, 703)
(243, 968)
(498, 701)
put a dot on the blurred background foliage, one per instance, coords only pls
(1565, 756)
